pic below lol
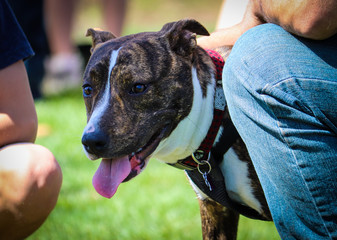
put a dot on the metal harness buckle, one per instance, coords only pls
(197, 155)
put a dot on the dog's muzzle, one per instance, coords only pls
(95, 142)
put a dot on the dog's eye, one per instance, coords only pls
(138, 88)
(87, 91)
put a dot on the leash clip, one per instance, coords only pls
(197, 155)
(204, 174)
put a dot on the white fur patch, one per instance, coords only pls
(103, 103)
(237, 180)
(190, 132)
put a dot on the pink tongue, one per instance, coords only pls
(110, 174)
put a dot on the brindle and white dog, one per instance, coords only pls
(152, 95)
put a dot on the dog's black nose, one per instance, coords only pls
(95, 142)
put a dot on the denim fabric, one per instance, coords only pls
(281, 92)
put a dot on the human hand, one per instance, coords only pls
(309, 19)
(228, 36)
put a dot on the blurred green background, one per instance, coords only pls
(159, 203)
(147, 15)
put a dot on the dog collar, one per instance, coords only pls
(202, 155)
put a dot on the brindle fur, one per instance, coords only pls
(217, 221)
(163, 61)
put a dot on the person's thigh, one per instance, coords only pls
(282, 96)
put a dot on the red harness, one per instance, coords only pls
(201, 155)
(201, 168)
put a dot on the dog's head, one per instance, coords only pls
(137, 89)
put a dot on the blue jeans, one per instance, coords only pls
(282, 96)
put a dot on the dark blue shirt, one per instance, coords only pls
(14, 45)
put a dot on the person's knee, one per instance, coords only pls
(31, 165)
(47, 173)
(260, 41)
(45, 180)
(31, 180)
(254, 57)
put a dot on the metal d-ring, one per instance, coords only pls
(197, 156)
(204, 175)
(209, 167)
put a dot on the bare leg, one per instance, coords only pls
(114, 12)
(30, 181)
(59, 16)
(64, 66)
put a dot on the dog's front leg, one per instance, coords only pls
(218, 222)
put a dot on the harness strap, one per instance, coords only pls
(201, 155)
(218, 192)
(201, 167)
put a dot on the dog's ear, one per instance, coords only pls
(182, 35)
(98, 36)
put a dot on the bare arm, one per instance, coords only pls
(18, 120)
(314, 19)
(30, 176)
(228, 36)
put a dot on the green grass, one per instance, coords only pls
(158, 204)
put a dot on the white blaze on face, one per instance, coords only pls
(103, 103)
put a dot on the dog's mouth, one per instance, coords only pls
(112, 172)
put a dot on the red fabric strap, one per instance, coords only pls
(218, 62)
(206, 145)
